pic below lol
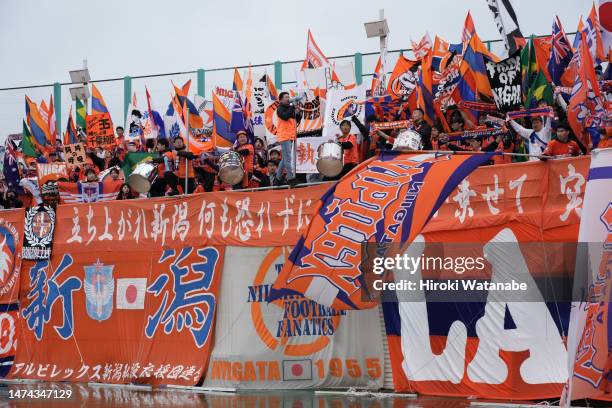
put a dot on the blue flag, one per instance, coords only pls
(11, 170)
(561, 53)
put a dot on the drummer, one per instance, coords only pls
(245, 149)
(348, 142)
(166, 176)
(180, 157)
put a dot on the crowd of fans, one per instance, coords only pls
(181, 172)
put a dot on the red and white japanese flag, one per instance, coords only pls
(131, 293)
(297, 370)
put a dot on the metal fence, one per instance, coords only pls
(283, 73)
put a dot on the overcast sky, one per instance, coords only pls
(40, 41)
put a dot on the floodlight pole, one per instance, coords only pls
(186, 150)
(85, 84)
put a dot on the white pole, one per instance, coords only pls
(186, 150)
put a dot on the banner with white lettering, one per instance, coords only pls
(505, 79)
(523, 220)
(290, 343)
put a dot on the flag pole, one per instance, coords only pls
(186, 112)
(441, 152)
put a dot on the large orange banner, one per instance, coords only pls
(119, 317)
(230, 218)
(130, 293)
(496, 348)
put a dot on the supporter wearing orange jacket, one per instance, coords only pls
(286, 131)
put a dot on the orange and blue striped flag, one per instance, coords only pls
(195, 120)
(98, 106)
(326, 263)
(70, 136)
(237, 84)
(425, 99)
(273, 92)
(468, 29)
(97, 101)
(222, 118)
(473, 62)
(38, 126)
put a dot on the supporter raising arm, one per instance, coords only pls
(537, 138)
(165, 171)
(365, 133)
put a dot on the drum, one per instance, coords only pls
(329, 162)
(230, 168)
(408, 140)
(143, 177)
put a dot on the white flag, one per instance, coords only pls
(593, 254)
(341, 105)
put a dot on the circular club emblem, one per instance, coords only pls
(10, 256)
(349, 107)
(294, 325)
(404, 84)
(270, 117)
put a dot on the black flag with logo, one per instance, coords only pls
(505, 79)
